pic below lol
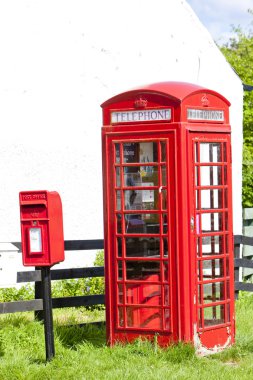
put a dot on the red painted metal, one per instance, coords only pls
(41, 228)
(168, 216)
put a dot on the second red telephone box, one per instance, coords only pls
(168, 216)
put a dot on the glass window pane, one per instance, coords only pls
(144, 294)
(163, 151)
(200, 295)
(142, 223)
(197, 176)
(215, 152)
(226, 240)
(204, 152)
(214, 315)
(213, 292)
(117, 153)
(199, 270)
(210, 152)
(140, 152)
(164, 176)
(165, 223)
(228, 289)
(165, 247)
(166, 301)
(148, 152)
(213, 269)
(120, 275)
(143, 247)
(212, 245)
(211, 222)
(130, 152)
(119, 247)
(210, 175)
(200, 314)
(166, 271)
(141, 176)
(167, 319)
(120, 293)
(121, 316)
(141, 317)
(164, 200)
(197, 199)
(119, 223)
(199, 250)
(211, 199)
(228, 312)
(118, 200)
(143, 270)
(118, 181)
(141, 199)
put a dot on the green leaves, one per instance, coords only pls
(247, 193)
(239, 53)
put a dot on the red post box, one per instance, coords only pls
(41, 228)
(168, 216)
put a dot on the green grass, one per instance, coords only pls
(81, 352)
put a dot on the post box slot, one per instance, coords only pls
(31, 212)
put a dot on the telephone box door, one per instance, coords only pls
(213, 242)
(141, 269)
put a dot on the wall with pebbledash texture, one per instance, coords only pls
(59, 61)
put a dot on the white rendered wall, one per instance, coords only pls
(60, 60)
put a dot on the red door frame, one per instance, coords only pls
(219, 334)
(114, 332)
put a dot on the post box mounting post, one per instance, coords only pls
(48, 314)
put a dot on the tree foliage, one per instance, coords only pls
(239, 53)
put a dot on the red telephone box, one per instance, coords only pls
(168, 216)
(41, 228)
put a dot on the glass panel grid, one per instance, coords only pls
(141, 213)
(211, 220)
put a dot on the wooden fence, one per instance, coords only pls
(63, 274)
(59, 274)
(241, 263)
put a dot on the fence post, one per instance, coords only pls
(237, 244)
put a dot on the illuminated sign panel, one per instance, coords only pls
(205, 115)
(140, 116)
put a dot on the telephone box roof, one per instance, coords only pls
(175, 90)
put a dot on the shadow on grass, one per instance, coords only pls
(73, 336)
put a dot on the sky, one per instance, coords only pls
(218, 16)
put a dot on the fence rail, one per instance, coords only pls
(91, 300)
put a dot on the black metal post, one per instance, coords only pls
(48, 314)
(38, 314)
